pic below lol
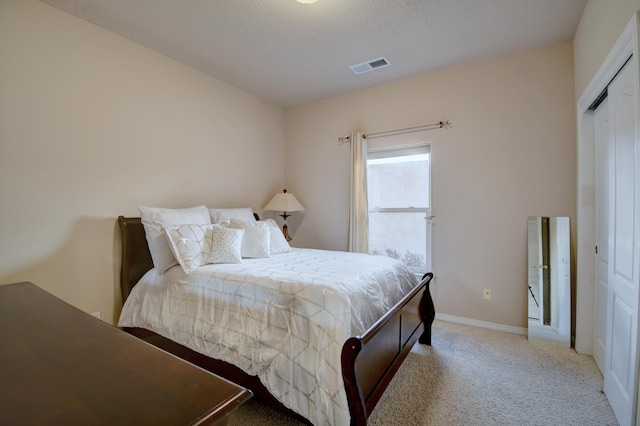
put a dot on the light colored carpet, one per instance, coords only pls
(475, 376)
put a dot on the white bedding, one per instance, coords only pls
(283, 318)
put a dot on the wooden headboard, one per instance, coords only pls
(136, 259)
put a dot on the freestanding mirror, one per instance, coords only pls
(549, 280)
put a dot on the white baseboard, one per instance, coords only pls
(482, 324)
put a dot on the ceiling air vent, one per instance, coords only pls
(370, 65)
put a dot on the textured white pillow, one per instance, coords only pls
(256, 242)
(191, 245)
(226, 245)
(155, 220)
(225, 215)
(279, 243)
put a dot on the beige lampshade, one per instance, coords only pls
(284, 202)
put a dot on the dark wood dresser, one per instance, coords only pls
(61, 366)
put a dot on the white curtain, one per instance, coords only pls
(358, 207)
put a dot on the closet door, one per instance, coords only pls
(622, 296)
(601, 140)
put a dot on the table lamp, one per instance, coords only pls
(284, 202)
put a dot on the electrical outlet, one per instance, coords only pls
(486, 294)
(96, 314)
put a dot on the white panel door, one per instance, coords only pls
(622, 297)
(601, 261)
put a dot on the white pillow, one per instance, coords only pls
(191, 245)
(155, 220)
(256, 242)
(279, 243)
(225, 215)
(226, 245)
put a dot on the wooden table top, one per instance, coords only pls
(59, 365)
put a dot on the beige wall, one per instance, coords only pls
(600, 27)
(75, 100)
(93, 125)
(511, 154)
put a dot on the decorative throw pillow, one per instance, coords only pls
(191, 245)
(256, 240)
(225, 215)
(226, 245)
(155, 220)
(279, 243)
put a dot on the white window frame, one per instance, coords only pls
(409, 150)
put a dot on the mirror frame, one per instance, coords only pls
(549, 279)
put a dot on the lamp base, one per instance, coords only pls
(285, 231)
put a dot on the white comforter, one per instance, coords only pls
(283, 318)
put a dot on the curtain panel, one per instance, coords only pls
(358, 207)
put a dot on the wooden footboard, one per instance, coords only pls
(369, 362)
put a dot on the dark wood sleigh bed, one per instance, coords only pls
(369, 361)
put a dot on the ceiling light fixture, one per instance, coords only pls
(306, 1)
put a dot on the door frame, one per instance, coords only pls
(626, 46)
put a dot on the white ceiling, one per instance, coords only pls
(290, 54)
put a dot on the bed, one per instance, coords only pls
(369, 358)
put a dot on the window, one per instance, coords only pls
(399, 198)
